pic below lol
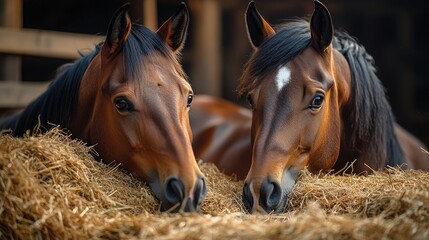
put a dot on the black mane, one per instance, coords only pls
(368, 116)
(368, 120)
(57, 104)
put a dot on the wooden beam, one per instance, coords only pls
(150, 14)
(206, 66)
(12, 13)
(45, 43)
(20, 94)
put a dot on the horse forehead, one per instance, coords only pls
(308, 64)
(310, 67)
(163, 69)
(310, 60)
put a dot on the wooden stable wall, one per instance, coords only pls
(16, 41)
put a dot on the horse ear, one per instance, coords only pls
(117, 34)
(322, 30)
(173, 31)
(258, 29)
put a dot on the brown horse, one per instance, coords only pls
(130, 98)
(221, 133)
(316, 103)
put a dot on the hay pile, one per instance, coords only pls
(51, 188)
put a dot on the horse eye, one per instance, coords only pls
(250, 100)
(122, 104)
(316, 102)
(190, 98)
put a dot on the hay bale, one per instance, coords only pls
(50, 187)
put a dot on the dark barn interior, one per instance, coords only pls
(393, 32)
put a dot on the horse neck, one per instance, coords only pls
(82, 119)
(367, 120)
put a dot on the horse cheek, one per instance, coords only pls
(326, 146)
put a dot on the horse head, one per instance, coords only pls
(295, 89)
(134, 105)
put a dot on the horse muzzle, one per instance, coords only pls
(174, 198)
(270, 195)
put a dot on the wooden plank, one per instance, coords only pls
(45, 43)
(18, 95)
(11, 17)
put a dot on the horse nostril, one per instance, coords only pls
(247, 197)
(194, 203)
(270, 195)
(200, 192)
(174, 191)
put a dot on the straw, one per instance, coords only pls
(52, 188)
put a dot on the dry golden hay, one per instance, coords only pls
(51, 188)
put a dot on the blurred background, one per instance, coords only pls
(36, 37)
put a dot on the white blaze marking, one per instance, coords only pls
(282, 78)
